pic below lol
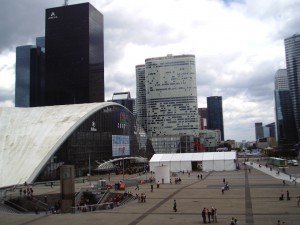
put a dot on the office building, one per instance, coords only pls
(259, 131)
(124, 98)
(292, 53)
(29, 89)
(74, 55)
(202, 118)
(171, 96)
(141, 109)
(272, 130)
(285, 121)
(215, 114)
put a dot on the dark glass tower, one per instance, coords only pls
(215, 114)
(29, 76)
(286, 128)
(292, 53)
(74, 55)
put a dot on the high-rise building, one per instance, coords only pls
(203, 118)
(292, 53)
(74, 55)
(272, 130)
(141, 109)
(171, 96)
(123, 98)
(215, 114)
(285, 121)
(259, 131)
(29, 90)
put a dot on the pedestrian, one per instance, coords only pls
(215, 216)
(223, 189)
(223, 180)
(290, 176)
(204, 215)
(208, 215)
(236, 222)
(201, 176)
(278, 222)
(157, 184)
(249, 170)
(212, 214)
(232, 221)
(175, 206)
(151, 187)
(298, 202)
(51, 184)
(45, 199)
(198, 176)
(288, 195)
(283, 182)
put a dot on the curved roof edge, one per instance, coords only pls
(30, 136)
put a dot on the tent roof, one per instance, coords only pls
(196, 156)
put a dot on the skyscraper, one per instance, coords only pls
(285, 121)
(259, 131)
(141, 110)
(203, 118)
(292, 53)
(74, 55)
(215, 114)
(171, 96)
(29, 90)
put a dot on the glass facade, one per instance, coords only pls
(215, 114)
(286, 128)
(292, 53)
(91, 142)
(74, 55)
(29, 87)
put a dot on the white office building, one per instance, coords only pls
(171, 96)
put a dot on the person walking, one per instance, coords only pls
(212, 214)
(232, 221)
(151, 187)
(288, 195)
(175, 206)
(201, 176)
(208, 215)
(204, 215)
(198, 176)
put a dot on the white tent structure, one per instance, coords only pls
(210, 161)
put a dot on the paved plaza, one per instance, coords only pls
(253, 198)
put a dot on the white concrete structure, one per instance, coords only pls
(209, 161)
(171, 96)
(162, 174)
(30, 136)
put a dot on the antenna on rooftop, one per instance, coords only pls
(66, 2)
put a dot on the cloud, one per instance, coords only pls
(238, 46)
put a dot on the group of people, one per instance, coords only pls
(141, 198)
(234, 221)
(209, 215)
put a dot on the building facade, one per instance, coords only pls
(141, 109)
(74, 55)
(285, 121)
(202, 118)
(29, 88)
(215, 114)
(259, 131)
(292, 53)
(124, 99)
(171, 96)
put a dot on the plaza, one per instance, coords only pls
(253, 198)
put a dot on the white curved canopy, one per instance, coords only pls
(30, 136)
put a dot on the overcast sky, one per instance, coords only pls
(238, 47)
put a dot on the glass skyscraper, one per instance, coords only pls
(29, 76)
(215, 114)
(74, 55)
(292, 53)
(285, 121)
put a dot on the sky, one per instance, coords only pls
(238, 44)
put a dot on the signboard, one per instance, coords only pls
(120, 145)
